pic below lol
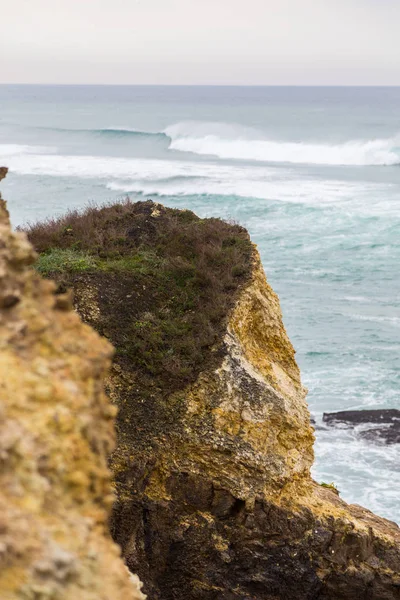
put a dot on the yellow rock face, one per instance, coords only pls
(56, 431)
(247, 425)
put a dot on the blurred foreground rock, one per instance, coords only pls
(56, 431)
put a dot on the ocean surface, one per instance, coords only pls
(313, 173)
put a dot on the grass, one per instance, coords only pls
(165, 281)
(330, 486)
(57, 260)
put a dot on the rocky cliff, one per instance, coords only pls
(212, 467)
(56, 431)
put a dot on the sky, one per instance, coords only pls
(215, 42)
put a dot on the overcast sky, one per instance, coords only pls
(266, 42)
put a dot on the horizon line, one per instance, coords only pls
(225, 85)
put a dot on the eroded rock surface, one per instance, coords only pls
(215, 499)
(56, 431)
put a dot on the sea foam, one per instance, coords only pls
(9, 150)
(185, 178)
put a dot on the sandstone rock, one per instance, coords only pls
(215, 498)
(56, 431)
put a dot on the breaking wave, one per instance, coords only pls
(231, 141)
(235, 142)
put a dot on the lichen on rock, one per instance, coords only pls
(56, 432)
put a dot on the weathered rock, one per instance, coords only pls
(215, 498)
(389, 433)
(56, 431)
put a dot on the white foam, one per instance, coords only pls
(394, 321)
(235, 142)
(131, 169)
(163, 177)
(298, 191)
(7, 150)
(366, 473)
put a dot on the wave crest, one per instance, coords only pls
(124, 132)
(110, 132)
(236, 142)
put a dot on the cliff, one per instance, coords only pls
(56, 431)
(212, 466)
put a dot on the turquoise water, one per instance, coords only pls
(313, 173)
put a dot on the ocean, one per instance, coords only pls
(313, 173)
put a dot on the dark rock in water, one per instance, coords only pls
(317, 424)
(358, 417)
(389, 434)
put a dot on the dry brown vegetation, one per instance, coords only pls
(166, 280)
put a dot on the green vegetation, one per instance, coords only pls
(57, 260)
(164, 279)
(68, 260)
(330, 486)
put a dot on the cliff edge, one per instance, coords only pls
(212, 468)
(56, 431)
